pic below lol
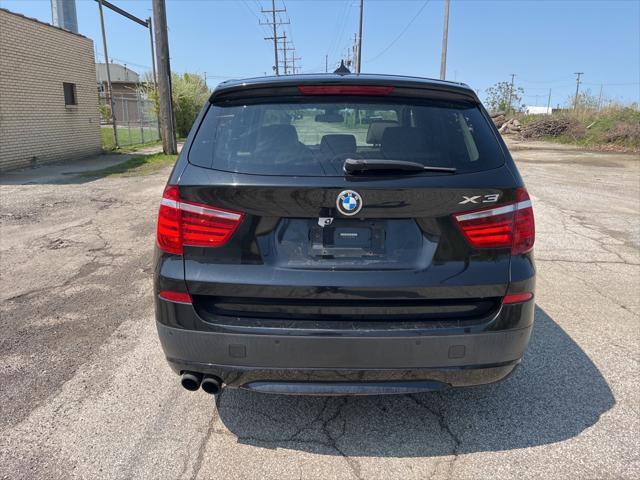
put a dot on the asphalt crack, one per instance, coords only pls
(444, 426)
(322, 423)
(587, 262)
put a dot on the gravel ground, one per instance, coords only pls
(85, 391)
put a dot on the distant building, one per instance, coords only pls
(48, 101)
(534, 110)
(126, 84)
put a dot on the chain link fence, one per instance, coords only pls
(136, 120)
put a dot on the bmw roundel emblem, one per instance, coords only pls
(349, 202)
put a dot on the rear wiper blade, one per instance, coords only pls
(352, 166)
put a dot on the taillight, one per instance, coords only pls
(374, 90)
(524, 226)
(181, 297)
(517, 298)
(168, 232)
(182, 223)
(501, 227)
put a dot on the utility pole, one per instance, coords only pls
(169, 145)
(445, 39)
(284, 53)
(575, 100)
(326, 63)
(110, 92)
(294, 59)
(511, 91)
(600, 99)
(354, 52)
(153, 67)
(153, 53)
(359, 58)
(549, 103)
(288, 62)
(274, 23)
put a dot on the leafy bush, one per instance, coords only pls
(105, 113)
(190, 93)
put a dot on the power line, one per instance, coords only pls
(264, 30)
(393, 42)
(338, 28)
(288, 27)
(543, 81)
(250, 10)
(611, 84)
(560, 80)
(335, 45)
(126, 62)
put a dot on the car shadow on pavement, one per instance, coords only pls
(555, 394)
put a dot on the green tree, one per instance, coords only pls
(189, 92)
(498, 95)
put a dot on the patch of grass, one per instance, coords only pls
(128, 138)
(135, 148)
(135, 166)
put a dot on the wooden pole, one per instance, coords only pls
(445, 39)
(109, 87)
(169, 145)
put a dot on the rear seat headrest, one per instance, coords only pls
(280, 135)
(335, 144)
(403, 143)
(376, 130)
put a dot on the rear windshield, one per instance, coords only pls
(314, 138)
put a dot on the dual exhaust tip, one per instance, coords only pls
(192, 381)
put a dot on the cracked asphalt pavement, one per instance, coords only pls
(85, 391)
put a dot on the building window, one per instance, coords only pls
(69, 94)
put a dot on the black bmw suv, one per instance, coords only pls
(344, 234)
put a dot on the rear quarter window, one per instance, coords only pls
(313, 136)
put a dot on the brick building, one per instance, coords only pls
(48, 99)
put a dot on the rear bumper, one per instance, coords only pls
(248, 360)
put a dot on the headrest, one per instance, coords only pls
(335, 144)
(404, 143)
(376, 130)
(280, 135)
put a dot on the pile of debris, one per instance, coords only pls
(553, 127)
(505, 126)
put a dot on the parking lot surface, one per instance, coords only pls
(85, 391)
